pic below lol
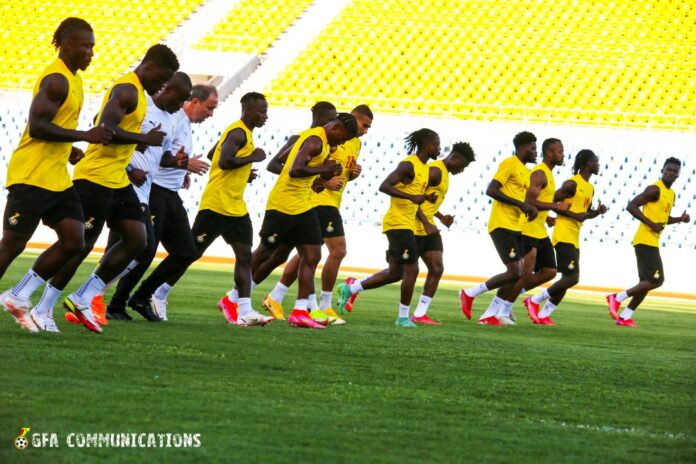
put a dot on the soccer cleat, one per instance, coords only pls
(344, 295)
(320, 317)
(512, 316)
(467, 302)
(626, 323)
(44, 323)
(254, 318)
(143, 308)
(19, 310)
(492, 320)
(70, 318)
(351, 300)
(614, 306)
(302, 319)
(532, 309)
(273, 307)
(546, 321)
(99, 310)
(84, 314)
(229, 309)
(405, 323)
(505, 320)
(334, 317)
(159, 307)
(116, 315)
(425, 320)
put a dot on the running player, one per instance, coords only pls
(577, 192)
(406, 186)
(326, 205)
(102, 182)
(507, 189)
(430, 246)
(37, 177)
(290, 222)
(539, 261)
(657, 201)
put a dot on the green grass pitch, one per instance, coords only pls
(583, 391)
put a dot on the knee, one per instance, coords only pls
(515, 272)
(338, 254)
(657, 284)
(551, 274)
(410, 272)
(437, 270)
(74, 246)
(573, 280)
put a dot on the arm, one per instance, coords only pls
(652, 193)
(122, 101)
(355, 172)
(278, 161)
(676, 220)
(310, 148)
(446, 219)
(234, 141)
(537, 182)
(593, 213)
(51, 95)
(494, 192)
(403, 173)
(429, 228)
(568, 190)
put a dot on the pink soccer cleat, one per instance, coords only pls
(532, 309)
(301, 319)
(229, 309)
(614, 306)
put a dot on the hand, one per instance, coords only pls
(336, 183)
(685, 217)
(137, 177)
(100, 134)
(330, 169)
(562, 206)
(357, 170)
(155, 137)
(187, 181)
(198, 165)
(431, 197)
(181, 158)
(447, 220)
(253, 174)
(418, 199)
(656, 227)
(529, 211)
(550, 221)
(318, 185)
(601, 209)
(141, 147)
(75, 155)
(430, 229)
(258, 155)
(580, 217)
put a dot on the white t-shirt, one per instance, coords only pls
(173, 178)
(150, 160)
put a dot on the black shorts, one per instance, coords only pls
(290, 229)
(107, 205)
(426, 243)
(210, 225)
(402, 246)
(330, 221)
(650, 264)
(568, 256)
(508, 243)
(27, 205)
(171, 223)
(545, 256)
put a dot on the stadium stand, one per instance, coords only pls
(121, 39)
(252, 25)
(506, 60)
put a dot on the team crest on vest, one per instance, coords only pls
(571, 265)
(201, 238)
(330, 227)
(657, 274)
(89, 223)
(152, 218)
(512, 253)
(272, 238)
(405, 254)
(14, 219)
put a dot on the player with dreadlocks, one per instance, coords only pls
(566, 235)
(37, 176)
(406, 186)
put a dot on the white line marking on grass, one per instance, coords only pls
(631, 430)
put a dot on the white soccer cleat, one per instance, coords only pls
(254, 318)
(44, 323)
(159, 307)
(505, 320)
(19, 310)
(512, 316)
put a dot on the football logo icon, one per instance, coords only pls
(657, 274)
(272, 238)
(330, 228)
(22, 442)
(201, 238)
(512, 253)
(571, 265)
(13, 219)
(89, 223)
(405, 254)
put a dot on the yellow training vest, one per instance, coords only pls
(537, 227)
(42, 163)
(567, 230)
(106, 164)
(658, 212)
(293, 195)
(346, 155)
(402, 212)
(513, 175)
(225, 189)
(429, 209)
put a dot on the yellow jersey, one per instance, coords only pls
(225, 189)
(567, 230)
(43, 163)
(658, 212)
(293, 195)
(347, 156)
(106, 164)
(513, 175)
(402, 212)
(429, 209)
(537, 227)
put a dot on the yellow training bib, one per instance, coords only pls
(567, 230)
(347, 156)
(513, 175)
(658, 212)
(537, 227)
(429, 209)
(402, 212)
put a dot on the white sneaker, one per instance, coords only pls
(45, 323)
(512, 316)
(254, 318)
(19, 310)
(505, 320)
(159, 307)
